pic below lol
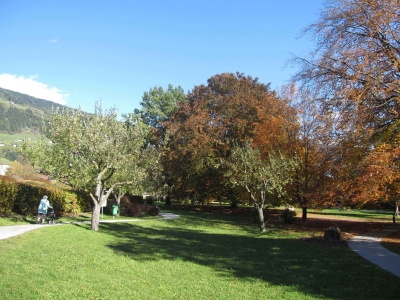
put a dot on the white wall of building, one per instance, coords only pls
(3, 169)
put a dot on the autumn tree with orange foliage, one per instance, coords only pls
(370, 175)
(306, 138)
(229, 110)
(355, 72)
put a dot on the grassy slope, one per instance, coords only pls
(27, 102)
(198, 256)
(10, 139)
(4, 161)
(17, 139)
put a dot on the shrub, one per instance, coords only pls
(149, 200)
(8, 194)
(24, 197)
(130, 209)
(288, 216)
(135, 210)
(134, 198)
(153, 210)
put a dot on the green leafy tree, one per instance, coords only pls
(261, 178)
(95, 153)
(159, 104)
(146, 175)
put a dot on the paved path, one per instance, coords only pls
(368, 245)
(10, 231)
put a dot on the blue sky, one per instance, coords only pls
(78, 52)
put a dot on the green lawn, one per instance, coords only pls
(394, 247)
(18, 138)
(377, 215)
(197, 256)
(16, 219)
(4, 161)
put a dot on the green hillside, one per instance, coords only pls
(20, 113)
(21, 117)
(28, 102)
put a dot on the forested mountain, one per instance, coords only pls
(19, 112)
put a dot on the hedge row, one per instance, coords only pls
(24, 198)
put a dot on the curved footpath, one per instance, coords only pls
(368, 245)
(10, 231)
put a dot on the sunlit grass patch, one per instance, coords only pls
(197, 256)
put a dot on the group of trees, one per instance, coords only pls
(332, 135)
(15, 120)
(354, 77)
(210, 140)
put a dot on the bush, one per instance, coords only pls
(24, 198)
(153, 210)
(135, 210)
(127, 208)
(138, 210)
(8, 194)
(288, 216)
(149, 200)
(134, 199)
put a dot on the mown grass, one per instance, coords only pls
(197, 256)
(4, 161)
(18, 138)
(11, 219)
(391, 242)
(394, 247)
(377, 215)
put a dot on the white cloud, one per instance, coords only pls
(53, 40)
(32, 87)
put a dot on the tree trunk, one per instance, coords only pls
(396, 212)
(261, 217)
(96, 216)
(118, 200)
(304, 215)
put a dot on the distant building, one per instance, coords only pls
(3, 169)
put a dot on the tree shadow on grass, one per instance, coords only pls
(334, 273)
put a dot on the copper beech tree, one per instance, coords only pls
(307, 139)
(355, 73)
(231, 108)
(356, 64)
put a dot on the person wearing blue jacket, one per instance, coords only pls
(42, 209)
